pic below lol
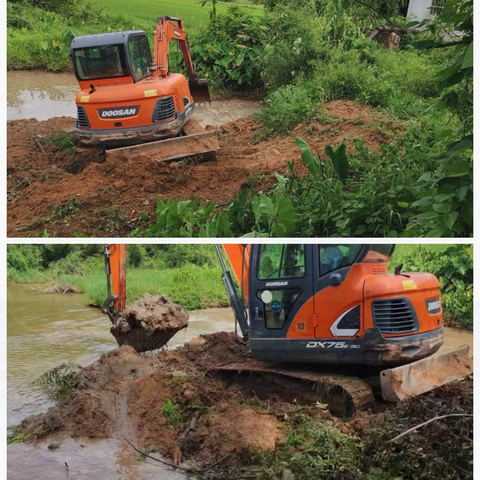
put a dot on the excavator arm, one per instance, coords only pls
(171, 28)
(115, 269)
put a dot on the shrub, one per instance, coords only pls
(290, 105)
(229, 51)
(293, 44)
(453, 265)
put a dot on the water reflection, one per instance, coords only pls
(40, 95)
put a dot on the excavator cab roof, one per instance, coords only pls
(101, 39)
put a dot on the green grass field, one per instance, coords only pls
(191, 12)
(192, 286)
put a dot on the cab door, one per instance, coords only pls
(338, 299)
(281, 282)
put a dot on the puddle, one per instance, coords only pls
(95, 460)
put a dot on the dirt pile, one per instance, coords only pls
(77, 190)
(176, 404)
(149, 323)
(152, 399)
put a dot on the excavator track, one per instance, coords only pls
(342, 394)
(195, 142)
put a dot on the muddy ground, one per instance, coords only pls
(174, 403)
(76, 191)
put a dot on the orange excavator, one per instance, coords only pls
(128, 98)
(329, 315)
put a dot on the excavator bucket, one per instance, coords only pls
(199, 90)
(424, 375)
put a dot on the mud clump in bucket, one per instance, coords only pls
(149, 323)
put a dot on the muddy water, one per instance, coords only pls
(455, 338)
(44, 95)
(95, 460)
(46, 330)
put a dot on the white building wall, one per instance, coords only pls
(419, 9)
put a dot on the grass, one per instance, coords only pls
(145, 12)
(37, 39)
(172, 411)
(191, 286)
(58, 382)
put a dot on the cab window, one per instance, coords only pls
(100, 62)
(335, 256)
(379, 253)
(281, 261)
(140, 56)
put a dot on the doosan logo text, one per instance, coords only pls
(118, 112)
(276, 284)
(434, 305)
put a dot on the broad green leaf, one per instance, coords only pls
(451, 81)
(428, 215)
(442, 207)
(339, 160)
(285, 218)
(458, 169)
(423, 44)
(311, 161)
(443, 196)
(450, 219)
(468, 57)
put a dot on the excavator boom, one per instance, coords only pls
(171, 28)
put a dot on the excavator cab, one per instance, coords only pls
(336, 304)
(123, 56)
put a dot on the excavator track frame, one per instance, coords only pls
(343, 394)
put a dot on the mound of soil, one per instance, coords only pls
(79, 191)
(149, 323)
(173, 403)
(152, 399)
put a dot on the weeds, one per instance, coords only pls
(314, 449)
(62, 140)
(70, 207)
(172, 411)
(59, 382)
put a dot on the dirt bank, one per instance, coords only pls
(173, 403)
(76, 191)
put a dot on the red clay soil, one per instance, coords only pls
(82, 193)
(125, 393)
(149, 323)
(175, 404)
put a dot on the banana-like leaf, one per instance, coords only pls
(339, 160)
